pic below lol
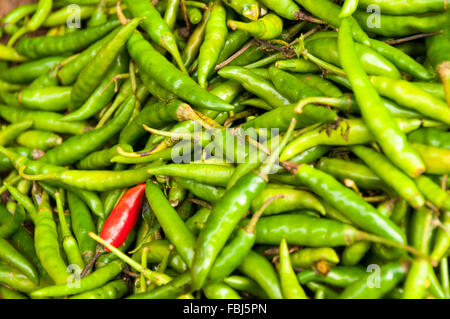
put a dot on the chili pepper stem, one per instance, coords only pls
(250, 228)
(384, 241)
(22, 31)
(310, 100)
(234, 55)
(123, 20)
(124, 153)
(158, 278)
(91, 262)
(36, 177)
(114, 80)
(172, 135)
(268, 164)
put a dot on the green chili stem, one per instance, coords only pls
(158, 278)
(250, 228)
(268, 164)
(384, 241)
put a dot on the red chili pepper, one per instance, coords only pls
(123, 217)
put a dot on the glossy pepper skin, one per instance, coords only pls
(37, 47)
(92, 74)
(349, 203)
(380, 123)
(225, 216)
(265, 28)
(124, 216)
(391, 275)
(412, 7)
(372, 62)
(438, 52)
(168, 76)
(329, 12)
(156, 27)
(215, 35)
(430, 136)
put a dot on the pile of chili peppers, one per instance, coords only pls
(225, 149)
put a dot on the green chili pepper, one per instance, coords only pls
(292, 200)
(254, 84)
(265, 28)
(39, 139)
(245, 284)
(226, 214)
(101, 159)
(347, 201)
(329, 12)
(156, 27)
(393, 177)
(165, 73)
(371, 62)
(94, 280)
(421, 231)
(348, 132)
(69, 72)
(437, 53)
(77, 147)
(91, 75)
(112, 290)
(157, 250)
(82, 224)
(16, 280)
(214, 40)
(234, 41)
(11, 54)
(37, 47)
(377, 118)
(42, 120)
(252, 54)
(348, 8)
(398, 26)
(10, 20)
(93, 180)
(353, 254)
(104, 92)
(40, 15)
(10, 255)
(69, 243)
(360, 174)
(430, 136)
(179, 235)
(175, 288)
(237, 249)
(7, 293)
(433, 192)
(248, 8)
(339, 276)
(410, 96)
(195, 40)
(370, 287)
(98, 15)
(28, 71)
(290, 286)
(406, 8)
(287, 8)
(296, 65)
(12, 131)
(8, 228)
(220, 290)
(258, 268)
(47, 245)
(307, 257)
(437, 160)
